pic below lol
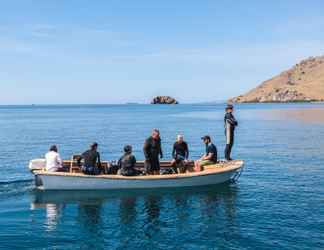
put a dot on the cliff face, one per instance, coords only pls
(164, 100)
(303, 82)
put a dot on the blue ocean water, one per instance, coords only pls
(278, 202)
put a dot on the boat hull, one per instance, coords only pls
(47, 181)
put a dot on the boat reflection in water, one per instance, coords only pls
(137, 217)
(53, 213)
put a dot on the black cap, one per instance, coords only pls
(229, 106)
(94, 145)
(128, 148)
(206, 137)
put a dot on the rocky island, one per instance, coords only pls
(304, 82)
(164, 100)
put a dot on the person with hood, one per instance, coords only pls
(127, 163)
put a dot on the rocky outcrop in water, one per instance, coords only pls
(304, 82)
(164, 100)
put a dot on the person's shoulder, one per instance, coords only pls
(51, 153)
(86, 153)
(213, 146)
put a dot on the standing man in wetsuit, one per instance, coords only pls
(230, 123)
(153, 152)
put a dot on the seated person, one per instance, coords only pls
(53, 160)
(91, 157)
(127, 163)
(210, 157)
(180, 154)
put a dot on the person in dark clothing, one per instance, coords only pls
(152, 153)
(91, 158)
(127, 163)
(229, 123)
(210, 157)
(180, 154)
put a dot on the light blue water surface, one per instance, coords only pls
(277, 204)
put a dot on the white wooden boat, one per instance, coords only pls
(213, 174)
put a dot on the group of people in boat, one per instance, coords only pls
(90, 161)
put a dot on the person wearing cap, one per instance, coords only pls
(229, 123)
(127, 163)
(180, 154)
(210, 157)
(153, 152)
(91, 157)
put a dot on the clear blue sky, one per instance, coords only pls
(66, 51)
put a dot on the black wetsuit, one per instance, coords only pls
(180, 151)
(91, 162)
(127, 165)
(230, 123)
(152, 152)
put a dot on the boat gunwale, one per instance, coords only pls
(211, 170)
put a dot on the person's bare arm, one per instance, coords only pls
(209, 156)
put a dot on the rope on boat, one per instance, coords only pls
(237, 175)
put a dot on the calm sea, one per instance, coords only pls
(278, 202)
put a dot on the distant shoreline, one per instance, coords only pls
(287, 102)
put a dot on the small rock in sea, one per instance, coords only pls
(164, 100)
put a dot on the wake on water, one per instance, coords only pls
(15, 187)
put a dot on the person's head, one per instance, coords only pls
(53, 148)
(229, 108)
(155, 134)
(206, 139)
(94, 146)
(180, 138)
(128, 149)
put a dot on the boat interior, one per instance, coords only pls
(74, 166)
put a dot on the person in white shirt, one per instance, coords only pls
(53, 160)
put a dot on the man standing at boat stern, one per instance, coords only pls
(230, 123)
(153, 152)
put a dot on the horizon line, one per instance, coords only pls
(102, 104)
